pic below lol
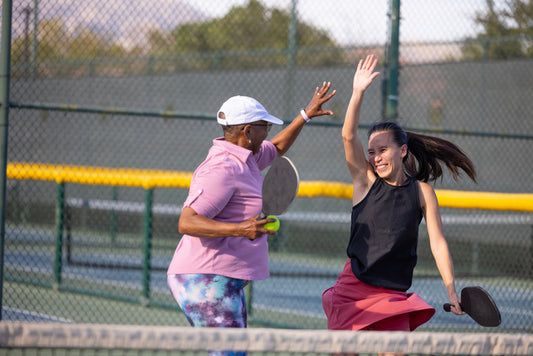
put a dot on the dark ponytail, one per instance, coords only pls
(426, 154)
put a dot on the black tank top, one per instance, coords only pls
(384, 235)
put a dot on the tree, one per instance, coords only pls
(252, 36)
(247, 37)
(505, 32)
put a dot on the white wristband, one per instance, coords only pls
(304, 115)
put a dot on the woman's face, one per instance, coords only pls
(385, 155)
(257, 133)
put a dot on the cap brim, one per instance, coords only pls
(272, 119)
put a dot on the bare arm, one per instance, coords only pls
(286, 137)
(439, 246)
(360, 170)
(197, 225)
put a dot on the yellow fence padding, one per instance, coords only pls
(129, 177)
(148, 178)
(447, 198)
(485, 200)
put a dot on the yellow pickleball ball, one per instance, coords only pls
(274, 226)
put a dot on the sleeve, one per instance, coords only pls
(266, 155)
(211, 189)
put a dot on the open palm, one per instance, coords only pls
(364, 75)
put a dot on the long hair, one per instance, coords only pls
(426, 154)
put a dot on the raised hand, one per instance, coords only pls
(364, 75)
(314, 108)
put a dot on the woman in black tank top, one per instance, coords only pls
(390, 197)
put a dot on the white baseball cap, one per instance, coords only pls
(239, 110)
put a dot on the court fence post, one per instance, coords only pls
(5, 69)
(393, 64)
(248, 292)
(531, 253)
(60, 213)
(113, 222)
(147, 246)
(292, 50)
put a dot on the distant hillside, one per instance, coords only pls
(124, 21)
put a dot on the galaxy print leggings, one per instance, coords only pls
(211, 300)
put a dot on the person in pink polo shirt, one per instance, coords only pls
(224, 244)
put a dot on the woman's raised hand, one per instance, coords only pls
(364, 75)
(320, 97)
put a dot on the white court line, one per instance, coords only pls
(517, 311)
(36, 315)
(77, 277)
(289, 311)
(305, 216)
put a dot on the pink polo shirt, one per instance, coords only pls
(226, 187)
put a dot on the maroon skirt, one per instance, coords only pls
(353, 305)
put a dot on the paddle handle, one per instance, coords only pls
(448, 307)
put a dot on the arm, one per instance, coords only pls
(360, 170)
(211, 189)
(286, 137)
(194, 224)
(439, 246)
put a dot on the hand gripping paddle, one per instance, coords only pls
(476, 302)
(280, 186)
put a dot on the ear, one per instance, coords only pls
(246, 132)
(404, 150)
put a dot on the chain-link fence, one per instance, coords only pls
(100, 86)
